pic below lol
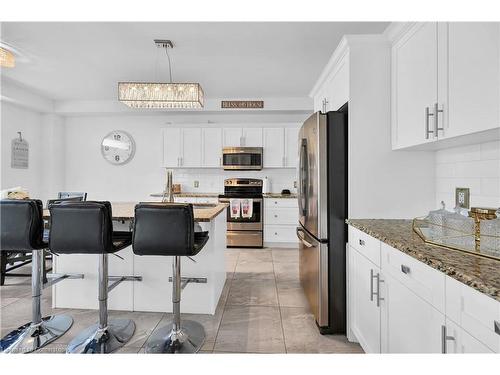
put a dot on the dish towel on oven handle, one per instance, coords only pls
(235, 206)
(246, 208)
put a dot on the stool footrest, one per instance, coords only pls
(54, 278)
(118, 279)
(186, 280)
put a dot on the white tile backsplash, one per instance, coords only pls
(474, 166)
(212, 180)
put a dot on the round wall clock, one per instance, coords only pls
(118, 147)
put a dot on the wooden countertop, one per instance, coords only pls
(125, 211)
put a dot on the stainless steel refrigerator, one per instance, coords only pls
(322, 212)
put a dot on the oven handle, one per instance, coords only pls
(226, 200)
(301, 237)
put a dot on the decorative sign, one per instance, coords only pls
(240, 104)
(19, 153)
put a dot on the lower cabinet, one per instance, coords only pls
(280, 221)
(459, 341)
(365, 311)
(408, 323)
(397, 304)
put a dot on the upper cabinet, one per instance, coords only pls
(201, 147)
(333, 92)
(212, 147)
(445, 82)
(414, 85)
(242, 137)
(280, 147)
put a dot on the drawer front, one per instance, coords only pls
(281, 216)
(365, 244)
(280, 233)
(474, 312)
(281, 202)
(424, 281)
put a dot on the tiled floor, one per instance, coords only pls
(262, 310)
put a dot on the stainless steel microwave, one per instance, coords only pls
(242, 158)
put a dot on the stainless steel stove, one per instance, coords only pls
(244, 227)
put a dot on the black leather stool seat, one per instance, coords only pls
(166, 229)
(21, 225)
(84, 228)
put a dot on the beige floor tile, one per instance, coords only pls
(302, 335)
(19, 289)
(291, 294)
(250, 329)
(286, 272)
(253, 292)
(285, 255)
(145, 323)
(254, 270)
(255, 255)
(4, 301)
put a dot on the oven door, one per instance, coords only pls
(243, 158)
(240, 223)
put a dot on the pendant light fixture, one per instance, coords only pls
(7, 59)
(156, 95)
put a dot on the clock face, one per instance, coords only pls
(118, 147)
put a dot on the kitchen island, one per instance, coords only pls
(154, 292)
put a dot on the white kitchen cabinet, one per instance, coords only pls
(274, 147)
(408, 323)
(459, 341)
(473, 63)
(182, 147)
(212, 147)
(172, 147)
(242, 137)
(191, 148)
(445, 84)
(365, 311)
(251, 137)
(232, 137)
(414, 85)
(281, 216)
(291, 147)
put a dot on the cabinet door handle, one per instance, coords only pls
(437, 111)
(283, 163)
(444, 338)
(405, 269)
(497, 327)
(220, 160)
(377, 293)
(362, 242)
(275, 215)
(427, 127)
(178, 162)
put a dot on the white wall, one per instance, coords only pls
(86, 170)
(13, 120)
(476, 167)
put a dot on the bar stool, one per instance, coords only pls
(87, 228)
(168, 229)
(22, 230)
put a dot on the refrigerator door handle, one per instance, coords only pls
(302, 239)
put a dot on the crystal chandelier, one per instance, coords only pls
(161, 95)
(7, 59)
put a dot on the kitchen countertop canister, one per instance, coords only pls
(482, 274)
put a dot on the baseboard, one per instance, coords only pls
(284, 245)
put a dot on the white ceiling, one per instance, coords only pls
(84, 61)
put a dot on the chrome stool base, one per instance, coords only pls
(189, 339)
(94, 340)
(31, 337)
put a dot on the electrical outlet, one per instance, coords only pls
(197, 184)
(295, 184)
(462, 197)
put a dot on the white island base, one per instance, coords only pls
(154, 292)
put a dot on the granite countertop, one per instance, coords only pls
(189, 195)
(216, 195)
(482, 274)
(279, 195)
(125, 211)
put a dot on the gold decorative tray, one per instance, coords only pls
(458, 232)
